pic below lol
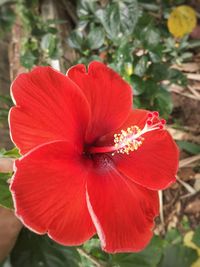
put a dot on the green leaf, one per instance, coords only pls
(76, 39)
(196, 237)
(33, 250)
(7, 17)
(109, 18)
(85, 7)
(144, 20)
(85, 11)
(149, 257)
(5, 104)
(150, 6)
(138, 84)
(163, 102)
(13, 153)
(119, 18)
(93, 248)
(5, 194)
(49, 44)
(141, 66)
(151, 90)
(177, 77)
(128, 14)
(92, 244)
(137, 103)
(158, 71)
(147, 33)
(189, 147)
(178, 256)
(185, 223)
(173, 236)
(5, 100)
(151, 37)
(28, 59)
(156, 53)
(96, 38)
(123, 54)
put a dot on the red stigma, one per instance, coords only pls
(155, 113)
(150, 115)
(163, 121)
(149, 122)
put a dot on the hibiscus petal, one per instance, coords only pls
(49, 192)
(155, 163)
(49, 107)
(109, 96)
(121, 210)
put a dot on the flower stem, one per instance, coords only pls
(89, 257)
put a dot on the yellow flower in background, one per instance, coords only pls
(188, 242)
(182, 20)
(196, 264)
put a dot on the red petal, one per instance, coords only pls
(121, 210)
(49, 107)
(108, 94)
(155, 163)
(49, 191)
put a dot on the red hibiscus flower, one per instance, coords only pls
(91, 164)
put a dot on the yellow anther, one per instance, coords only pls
(129, 140)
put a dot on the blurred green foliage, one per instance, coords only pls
(13, 153)
(34, 251)
(42, 251)
(7, 16)
(132, 37)
(5, 104)
(189, 147)
(5, 195)
(40, 42)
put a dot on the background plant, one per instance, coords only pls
(132, 37)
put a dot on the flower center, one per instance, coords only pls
(132, 138)
(128, 140)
